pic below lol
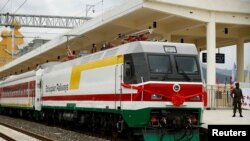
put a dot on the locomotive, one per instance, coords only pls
(150, 88)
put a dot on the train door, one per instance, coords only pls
(38, 95)
(31, 92)
(118, 81)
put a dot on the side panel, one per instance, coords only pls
(19, 95)
(92, 85)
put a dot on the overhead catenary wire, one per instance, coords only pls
(20, 6)
(4, 5)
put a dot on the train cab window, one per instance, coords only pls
(186, 64)
(159, 64)
(128, 69)
(135, 68)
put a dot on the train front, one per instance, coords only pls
(164, 90)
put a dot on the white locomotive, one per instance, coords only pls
(138, 85)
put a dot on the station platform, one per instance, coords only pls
(224, 117)
(15, 135)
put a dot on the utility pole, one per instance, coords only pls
(12, 39)
(89, 8)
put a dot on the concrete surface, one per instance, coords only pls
(225, 117)
(15, 135)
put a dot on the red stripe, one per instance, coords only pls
(18, 90)
(165, 90)
(102, 97)
(92, 97)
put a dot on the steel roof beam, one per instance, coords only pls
(44, 21)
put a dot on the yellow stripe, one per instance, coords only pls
(77, 70)
(16, 105)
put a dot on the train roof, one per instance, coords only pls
(18, 77)
(128, 48)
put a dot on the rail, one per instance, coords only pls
(5, 137)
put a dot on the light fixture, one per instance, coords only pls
(182, 40)
(154, 24)
(226, 30)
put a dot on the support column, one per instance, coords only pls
(211, 70)
(240, 60)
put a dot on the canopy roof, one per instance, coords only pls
(176, 21)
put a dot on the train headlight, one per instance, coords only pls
(170, 49)
(156, 97)
(195, 98)
(192, 120)
(154, 121)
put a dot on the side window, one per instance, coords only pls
(129, 70)
(135, 68)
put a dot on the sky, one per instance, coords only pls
(78, 8)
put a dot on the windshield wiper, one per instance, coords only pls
(165, 76)
(181, 72)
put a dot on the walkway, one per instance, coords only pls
(221, 116)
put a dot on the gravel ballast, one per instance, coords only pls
(54, 133)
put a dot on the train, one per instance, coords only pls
(148, 88)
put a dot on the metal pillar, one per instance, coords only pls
(240, 60)
(211, 70)
(12, 41)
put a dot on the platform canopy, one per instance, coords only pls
(219, 22)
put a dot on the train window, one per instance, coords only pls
(159, 64)
(128, 69)
(186, 64)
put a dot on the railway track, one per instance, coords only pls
(11, 133)
(51, 131)
(63, 130)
